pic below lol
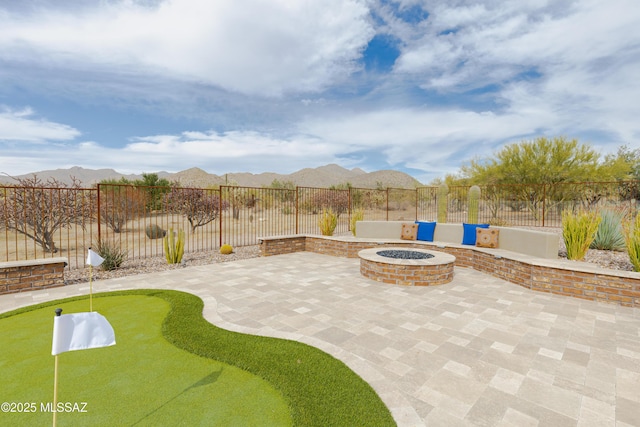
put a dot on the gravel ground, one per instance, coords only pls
(154, 265)
(606, 259)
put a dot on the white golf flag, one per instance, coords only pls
(94, 259)
(81, 331)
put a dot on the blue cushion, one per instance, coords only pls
(426, 230)
(469, 235)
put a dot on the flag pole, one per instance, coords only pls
(94, 260)
(55, 381)
(90, 287)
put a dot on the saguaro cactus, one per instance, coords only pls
(443, 202)
(474, 204)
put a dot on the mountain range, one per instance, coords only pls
(323, 176)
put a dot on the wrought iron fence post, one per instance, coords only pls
(350, 209)
(99, 216)
(544, 202)
(297, 207)
(220, 222)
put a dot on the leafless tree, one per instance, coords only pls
(38, 209)
(200, 206)
(119, 204)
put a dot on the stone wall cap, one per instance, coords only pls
(34, 262)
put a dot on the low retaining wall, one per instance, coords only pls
(561, 277)
(20, 276)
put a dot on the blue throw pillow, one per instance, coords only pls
(426, 230)
(469, 235)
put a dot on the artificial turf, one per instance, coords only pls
(145, 381)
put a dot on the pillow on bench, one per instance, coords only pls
(469, 233)
(487, 237)
(409, 231)
(426, 230)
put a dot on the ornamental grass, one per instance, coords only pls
(632, 240)
(578, 231)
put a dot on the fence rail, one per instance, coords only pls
(40, 222)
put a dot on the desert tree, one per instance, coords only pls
(198, 205)
(155, 188)
(539, 169)
(239, 198)
(335, 199)
(120, 202)
(38, 209)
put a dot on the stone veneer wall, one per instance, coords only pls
(596, 284)
(407, 275)
(20, 276)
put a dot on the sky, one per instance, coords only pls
(419, 86)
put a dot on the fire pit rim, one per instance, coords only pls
(437, 259)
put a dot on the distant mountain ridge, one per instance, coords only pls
(323, 176)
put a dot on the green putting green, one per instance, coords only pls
(142, 380)
(223, 378)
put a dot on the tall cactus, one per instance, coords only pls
(443, 202)
(174, 248)
(474, 204)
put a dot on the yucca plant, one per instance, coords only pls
(632, 240)
(609, 236)
(328, 222)
(174, 246)
(578, 231)
(357, 215)
(111, 252)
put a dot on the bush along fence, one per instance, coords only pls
(39, 221)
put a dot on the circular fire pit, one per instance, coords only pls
(409, 267)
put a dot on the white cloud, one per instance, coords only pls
(252, 47)
(22, 126)
(553, 68)
(423, 138)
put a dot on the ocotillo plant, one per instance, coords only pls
(474, 204)
(443, 202)
(174, 248)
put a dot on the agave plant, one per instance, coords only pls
(609, 236)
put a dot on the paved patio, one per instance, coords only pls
(478, 351)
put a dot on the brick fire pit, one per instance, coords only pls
(408, 267)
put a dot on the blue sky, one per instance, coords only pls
(420, 86)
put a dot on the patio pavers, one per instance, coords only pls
(478, 351)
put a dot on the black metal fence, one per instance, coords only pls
(39, 222)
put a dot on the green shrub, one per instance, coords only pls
(174, 246)
(499, 222)
(357, 215)
(609, 236)
(632, 240)
(578, 231)
(112, 253)
(328, 222)
(226, 249)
